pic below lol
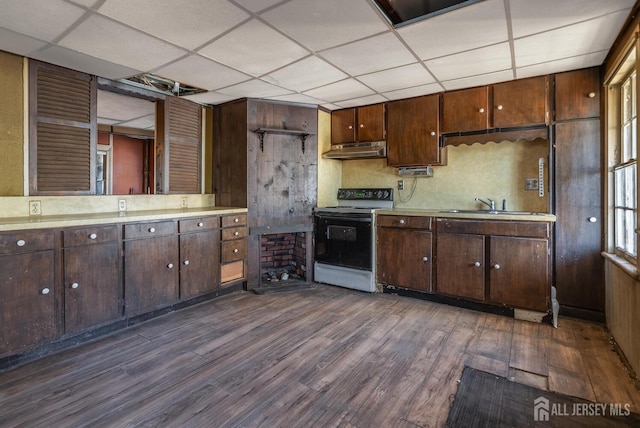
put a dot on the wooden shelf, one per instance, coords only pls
(302, 134)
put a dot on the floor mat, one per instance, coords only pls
(487, 400)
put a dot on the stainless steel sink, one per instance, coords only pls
(491, 212)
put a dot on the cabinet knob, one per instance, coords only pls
(152, 229)
(499, 107)
(592, 95)
(201, 224)
(186, 262)
(170, 265)
(496, 266)
(93, 236)
(236, 233)
(401, 221)
(236, 220)
(433, 133)
(362, 125)
(235, 250)
(350, 127)
(477, 264)
(592, 219)
(45, 291)
(425, 259)
(75, 285)
(21, 243)
(481, 110)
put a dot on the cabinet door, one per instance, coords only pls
(27, 303)
(199, 263)
(92, 291)
(460, 267)
(519, 272)
(577, 94)
(465, 110)
(150, 274)
(370, 120)
(412, 131)
(521, 102)
(579, 266)
(343, 126)
(404, 258)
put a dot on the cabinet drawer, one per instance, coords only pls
(411, 222)
(524, 229)
(196, 224)
(234, 250)
(89, 235)
(149, 230)
(232, 271)
(22, 242)
(234, 233)
(234, 220)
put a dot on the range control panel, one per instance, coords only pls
(365, 194)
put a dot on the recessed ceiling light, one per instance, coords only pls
(404, 12)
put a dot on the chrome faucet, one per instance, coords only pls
(491, 204)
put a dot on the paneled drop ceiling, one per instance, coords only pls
(333, 53)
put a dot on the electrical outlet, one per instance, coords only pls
(35, 208)
(122, 204)
(400, 184)
(183, 202)
(530, 184)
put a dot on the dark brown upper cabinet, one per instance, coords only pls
(62, 131)
(522, 102)
(465, 110)
(577, 94)
(412, 131)
(358, 124)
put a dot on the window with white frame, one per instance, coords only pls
(625, 200)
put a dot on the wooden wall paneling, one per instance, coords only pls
(230, 146)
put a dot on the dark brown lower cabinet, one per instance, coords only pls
(519, 272)
(461, 264)
(27, 290)
(92, 290)
(150, 267)
(199, 261)
(404, 258)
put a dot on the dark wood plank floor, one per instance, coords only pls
(323, 357)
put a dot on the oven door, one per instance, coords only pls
(343, 239)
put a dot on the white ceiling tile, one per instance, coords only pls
(368, 55)
(81, 62)
(397, 78)
(86, 3)
(530, 17)
(479, 61)
(106, 121)
(145, 122)
(343, 90)
(17, 43)
(46, 19)
(254, 48)
(102, 38)
(305, 74)
(254, 89)
(371, 99)
(483, 79)
(565, 64)
(202, 73)
(297, 98)
(330, 106)
(187, 23)
(121, 107)
(209, 98)
(257, 5)
(579, 39)
(414, 92)
(323, 24)
(470, 27)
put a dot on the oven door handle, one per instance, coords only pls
(358, 219)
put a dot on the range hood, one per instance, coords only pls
(368, 150)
